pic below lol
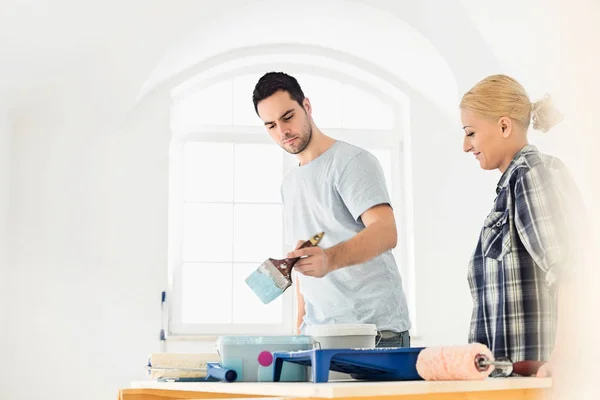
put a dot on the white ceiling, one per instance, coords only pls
(62, 44)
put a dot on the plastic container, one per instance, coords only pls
(349, 336)
(251, 357)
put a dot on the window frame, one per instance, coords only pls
(401, 191)
(376, 139)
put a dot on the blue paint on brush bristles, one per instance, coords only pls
(263, 286)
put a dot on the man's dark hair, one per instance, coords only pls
(272, 82)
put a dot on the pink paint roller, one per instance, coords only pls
(469, 362)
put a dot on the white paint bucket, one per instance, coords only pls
(349, 336)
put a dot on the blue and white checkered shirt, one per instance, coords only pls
(525, 248)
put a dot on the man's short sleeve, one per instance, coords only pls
(361, 184)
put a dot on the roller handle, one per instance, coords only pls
(215, 371)
(523, 368)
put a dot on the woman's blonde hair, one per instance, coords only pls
(502, 96)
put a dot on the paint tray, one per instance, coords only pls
(378, 364)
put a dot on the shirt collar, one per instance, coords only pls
(527, 149)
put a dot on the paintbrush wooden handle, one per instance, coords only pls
(292, 261)
(285, 265)
(313, 241)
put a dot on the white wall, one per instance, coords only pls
(4, 216)
(89, 235)
(4, 188)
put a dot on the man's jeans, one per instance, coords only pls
(392, 339)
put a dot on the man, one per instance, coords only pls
(337, 188)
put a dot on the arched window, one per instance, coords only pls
(225, 207)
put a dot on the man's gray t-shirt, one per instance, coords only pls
(328, 195)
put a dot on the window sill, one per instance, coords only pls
(192, 338)
(213, 338)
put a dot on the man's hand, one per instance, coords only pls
(314, 261)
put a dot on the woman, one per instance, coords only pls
(518, 270)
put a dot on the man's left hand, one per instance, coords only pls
(314, 261)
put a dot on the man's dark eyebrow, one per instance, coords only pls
(285, 114)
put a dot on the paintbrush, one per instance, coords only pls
(273, 276)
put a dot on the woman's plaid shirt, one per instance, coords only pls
(525, 247)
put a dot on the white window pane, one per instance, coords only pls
(325, 98)
(385, 159)
(258, 173)
(208, 171)
(206, 293)
(247, 308)
(362, 110)
(243, 108)
(258, 232)
(212, 105)
(207, 232)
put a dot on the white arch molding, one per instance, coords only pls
(354, 29)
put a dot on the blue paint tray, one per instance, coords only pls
(378, 364)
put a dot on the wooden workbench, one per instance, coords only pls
(489, 389)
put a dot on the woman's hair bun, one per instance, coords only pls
(544, 115)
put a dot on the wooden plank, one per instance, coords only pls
(161, 394)
(519, 394)
(340, 390)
